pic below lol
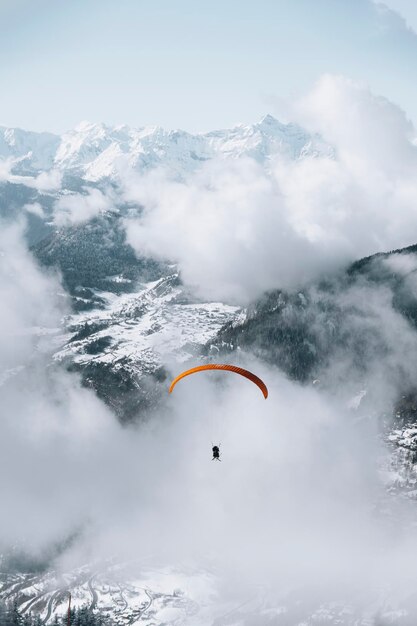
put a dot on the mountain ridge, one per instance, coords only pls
(96, 150)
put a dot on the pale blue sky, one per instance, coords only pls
(407, 8)
(193, 64)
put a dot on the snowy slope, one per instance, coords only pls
(129, 593)
(34, 151)
(142, 331)
(134, 335)
(124, 593)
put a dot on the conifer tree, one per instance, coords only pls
(16, 618)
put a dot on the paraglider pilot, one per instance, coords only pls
(216, 453)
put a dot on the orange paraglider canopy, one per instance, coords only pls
(228, 368)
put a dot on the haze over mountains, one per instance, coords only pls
(129, 254)
(95, 151)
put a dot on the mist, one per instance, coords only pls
(237, 228)
(295, 499)
(77, 208)
(298, 501)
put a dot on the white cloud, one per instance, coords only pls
(372, 136)
(5, 169)
(44, 411)
(298, 477)
(77, 208)
(225, 226)
(236, 230)
(35, 208)
(45, 181)
(402, 264)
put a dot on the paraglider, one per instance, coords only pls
(229, 368)
(216, 453)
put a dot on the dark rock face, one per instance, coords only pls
(95, 256)
(343, 317)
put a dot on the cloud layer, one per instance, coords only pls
(237, 229)
(77, 208)
(296, 496)
(45, 181)
(292, 502)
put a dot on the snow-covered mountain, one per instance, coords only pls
(33, 151)
(131, 339)
(130, 593)
(161, 320)
(122, 592)
(132, 318)
(96, 151)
